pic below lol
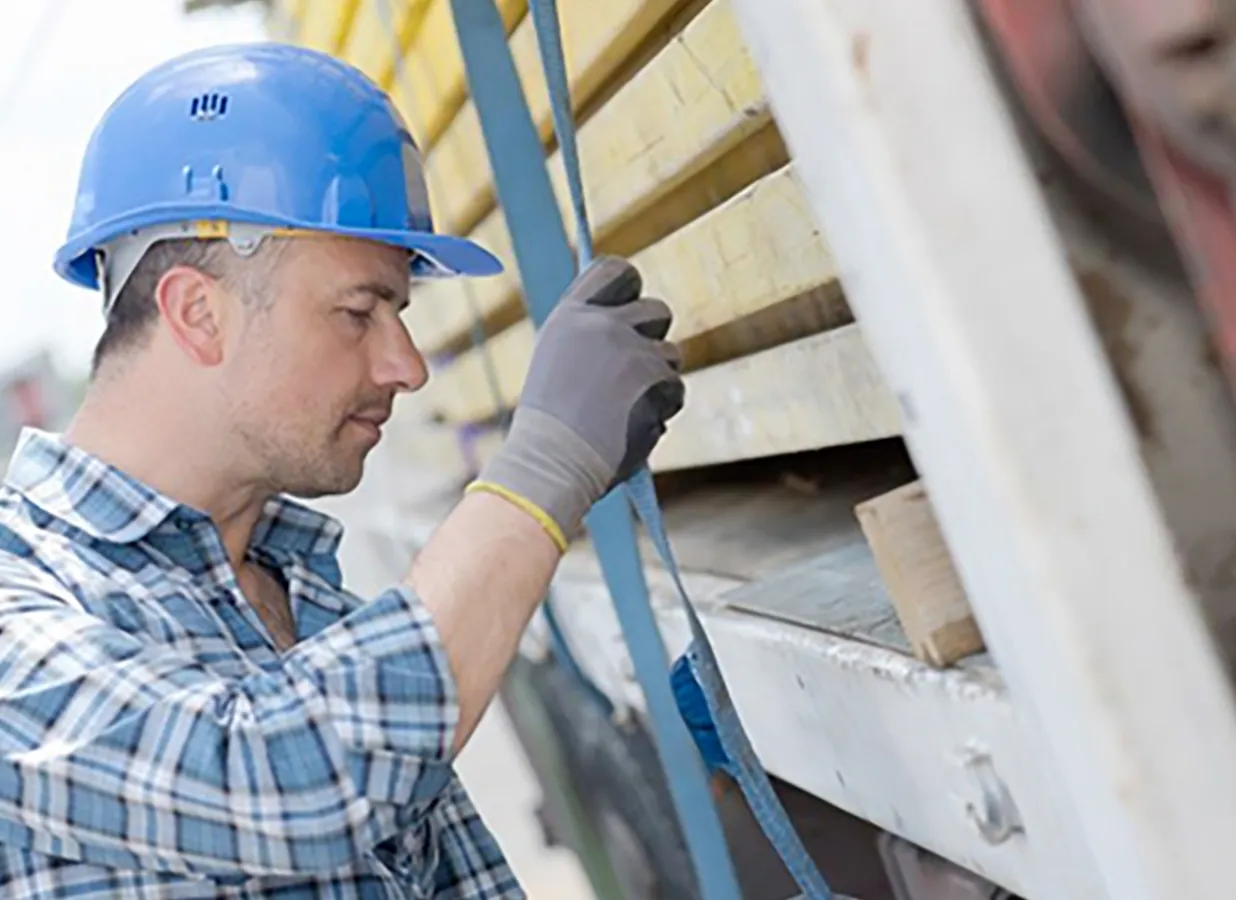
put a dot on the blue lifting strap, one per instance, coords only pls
(694, 692)
(557, 638)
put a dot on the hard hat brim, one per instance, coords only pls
(451, 256)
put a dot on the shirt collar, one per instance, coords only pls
(107, 503)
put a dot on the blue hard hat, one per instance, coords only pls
(261, 135)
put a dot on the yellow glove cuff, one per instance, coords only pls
(552, 528)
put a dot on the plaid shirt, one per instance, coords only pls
(155, 743)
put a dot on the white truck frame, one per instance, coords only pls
(1013, 415)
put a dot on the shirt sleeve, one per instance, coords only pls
(471, 866)
(121, 752)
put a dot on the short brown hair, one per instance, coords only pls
(134, 312)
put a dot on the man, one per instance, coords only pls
(191, 705)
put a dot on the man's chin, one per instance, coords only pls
(341, 483)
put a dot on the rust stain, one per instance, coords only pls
(859, 48)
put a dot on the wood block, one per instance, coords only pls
(696, 107)
(755, 268)
(820, 391)
(434, 87)
(597, 37)
(918, 573)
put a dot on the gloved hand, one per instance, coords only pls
(601, 386)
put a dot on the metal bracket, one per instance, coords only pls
(994, 814)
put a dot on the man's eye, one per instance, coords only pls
(361, 316)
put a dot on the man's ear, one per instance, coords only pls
(189, 303)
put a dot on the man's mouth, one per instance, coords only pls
(371, 424)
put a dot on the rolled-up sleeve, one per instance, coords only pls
(119, 751)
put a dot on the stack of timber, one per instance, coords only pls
(806, 537)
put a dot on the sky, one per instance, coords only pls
(51, 96)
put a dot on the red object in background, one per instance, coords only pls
(1169, 64)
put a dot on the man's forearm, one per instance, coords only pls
(482, 576)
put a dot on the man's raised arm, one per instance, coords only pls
(602, 384)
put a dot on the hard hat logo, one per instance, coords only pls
(207, 107)
(255, 139)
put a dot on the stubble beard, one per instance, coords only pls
(307, 468)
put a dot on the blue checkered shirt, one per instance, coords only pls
(155, 743)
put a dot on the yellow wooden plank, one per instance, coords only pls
(434, 86)
(756, 253)
(370, 42)
(699, 97)
(597, 39)
(820, 391)
(325, 24)
(761, 247)
(698, 100)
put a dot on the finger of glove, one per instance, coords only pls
(648, 316)
(606, 281)
(672, 354)
(646, 425)
(667, 398)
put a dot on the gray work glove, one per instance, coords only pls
(601, 386)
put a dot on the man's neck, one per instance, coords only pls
(165, 443)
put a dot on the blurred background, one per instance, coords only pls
(61, 63)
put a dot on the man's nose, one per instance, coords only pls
(399, 362)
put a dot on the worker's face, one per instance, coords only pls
(315, 368)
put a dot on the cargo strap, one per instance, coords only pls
(467, 433)
(695, 693)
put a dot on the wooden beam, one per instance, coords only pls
(598, 38)
(700, 96)
(697, 107)
(760, 248)
(434, 87)
(752, 273)
(410, 19)
(369, 44)
(819, 391)
(917, 570)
